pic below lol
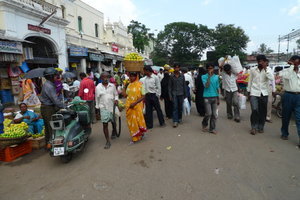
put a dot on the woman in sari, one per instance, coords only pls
(134, 108)
(35, 124)
(29, 95)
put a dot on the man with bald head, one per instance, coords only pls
(106, 97)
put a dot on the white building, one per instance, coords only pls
(91, 44)
(20, 20)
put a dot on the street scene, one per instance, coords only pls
(141, 104)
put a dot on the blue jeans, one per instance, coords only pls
(177, 108)
(290, 104)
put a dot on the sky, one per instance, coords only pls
(262, 20)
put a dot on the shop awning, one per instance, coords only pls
(2, 37)
(112, 56)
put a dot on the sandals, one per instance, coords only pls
(107, 145)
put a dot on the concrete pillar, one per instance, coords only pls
(82, 65)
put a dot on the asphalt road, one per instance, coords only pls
(181, 163)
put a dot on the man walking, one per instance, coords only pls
(291, 97)
(211, 99)
(231, 92)
(177, 92)
(153, 91)
(87, 92)
(258, 86)
(106, 97)
(50, 102)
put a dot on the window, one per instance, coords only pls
(63, 12)
(96, 30)
(80, 24)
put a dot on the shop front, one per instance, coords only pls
(10, 58)
(77, 59)
(95, 60)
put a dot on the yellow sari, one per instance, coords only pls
(135, 118)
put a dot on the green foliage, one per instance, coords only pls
(181, 42)
(229, 40)
(263, 49)
(140, 34)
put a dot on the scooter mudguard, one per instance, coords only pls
(72, 132)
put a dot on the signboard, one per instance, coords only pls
(78, 52)
(39, 29)
(96, 57)
(11, 47)
(114, 48)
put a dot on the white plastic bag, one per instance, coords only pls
(235, 63)
(186, 107)
(242, 101)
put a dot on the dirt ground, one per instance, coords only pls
(181, 163)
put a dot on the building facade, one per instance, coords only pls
(93, 45)
(32, 35)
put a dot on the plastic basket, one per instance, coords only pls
(11, 153)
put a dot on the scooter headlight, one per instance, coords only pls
(58, 140)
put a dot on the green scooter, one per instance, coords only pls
(71, 130)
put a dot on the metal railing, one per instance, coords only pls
(38, 4)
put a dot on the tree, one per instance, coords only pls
(263, 49)
(181, 42)
(229, 40)
(140, 35)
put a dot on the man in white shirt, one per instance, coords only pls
(258, 86)
(231, 92)
(188, 78)
(153, 91)
(160, 74)
(106, 97)
(291, 97)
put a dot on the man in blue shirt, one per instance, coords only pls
(211, 99)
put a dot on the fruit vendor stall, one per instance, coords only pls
(16, 141)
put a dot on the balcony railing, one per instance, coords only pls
(39, 5)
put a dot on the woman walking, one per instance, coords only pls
(135, 94)
(165, 94)
(199, 88)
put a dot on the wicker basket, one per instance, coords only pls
(5, 142)
(133, 66)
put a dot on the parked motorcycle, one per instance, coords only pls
(71, 130)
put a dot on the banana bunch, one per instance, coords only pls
(14, 130)
(133, 57)
(7, 122)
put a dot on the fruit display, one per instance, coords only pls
(121, 105)
(14, 130)
(133, 57)
(34, 136)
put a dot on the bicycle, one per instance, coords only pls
(277, 104)
(116, 122)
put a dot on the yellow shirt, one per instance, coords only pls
(291, 79)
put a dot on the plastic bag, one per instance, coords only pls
(186, 107)
(242, 101)
(235, 63)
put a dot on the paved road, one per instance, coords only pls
(228, 166)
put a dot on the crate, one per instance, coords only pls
(37, 143)
(133, 66)
(11, 153)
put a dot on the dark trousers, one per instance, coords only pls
(168, 107)
(232, 101)
(259, 112)
(211, 107)
(290, 104)
(200, 104)
(152, 101)
(47, 112)
(177, 108)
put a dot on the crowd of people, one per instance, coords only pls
(143, 93)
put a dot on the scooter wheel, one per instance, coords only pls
(66, 158)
